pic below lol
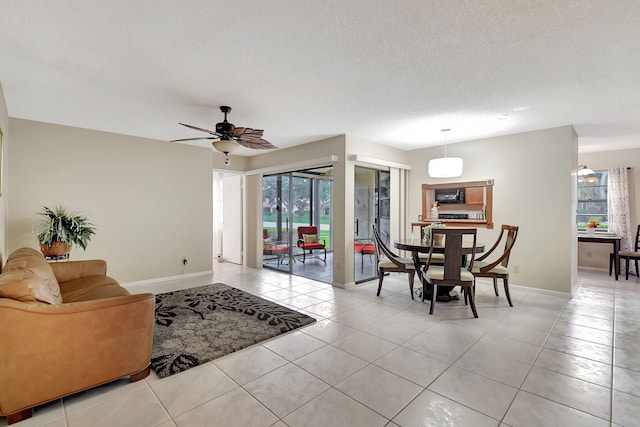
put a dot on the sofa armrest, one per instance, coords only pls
(71, 270)
(50, 351)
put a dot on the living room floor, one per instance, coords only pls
(384, 361)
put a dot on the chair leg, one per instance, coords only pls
(433, 297)
(637, 271)
(411, 277)
(472, 301)
(325, 255)
(626, 267)
(303, 255)
(495, 286)
(611, 257)
(380, 278)
(506, 291)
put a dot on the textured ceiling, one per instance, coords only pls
(394, 72)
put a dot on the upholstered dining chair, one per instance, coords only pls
(364, 247)
(498, 268)
(309, 240)
(388, 262)
(630, 256)
(453, 272)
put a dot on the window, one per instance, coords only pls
(593, 200)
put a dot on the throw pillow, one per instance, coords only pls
(267, 242)
(32, 260)
(26, 286)
(310, 238)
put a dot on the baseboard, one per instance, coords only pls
(548, 292)
(166, 279)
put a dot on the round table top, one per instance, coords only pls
(416, 245)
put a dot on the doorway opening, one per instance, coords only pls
(290, 200)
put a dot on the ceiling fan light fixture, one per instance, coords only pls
(584, 170)
(225, 146)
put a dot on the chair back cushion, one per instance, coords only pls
(307, 229)
(310, 238)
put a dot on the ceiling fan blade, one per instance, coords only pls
(194, 139)
(246, 132)
(201, 129)
(256, 143)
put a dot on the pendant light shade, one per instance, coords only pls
(445, 167)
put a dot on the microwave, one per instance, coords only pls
(450, 195)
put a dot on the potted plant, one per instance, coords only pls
(59, 229)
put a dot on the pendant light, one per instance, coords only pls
(445, 167)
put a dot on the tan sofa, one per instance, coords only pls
(66, 327)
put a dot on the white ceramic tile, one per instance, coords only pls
(627, 342)
(589, 321)
(236, 408)
(380, 390)
(477, 392)
(578, 394)
(441, 346)
(493, 344)
(328, 331)
(494, 366)
(294, 345)
(184, 391)
(531, 410)
(286, 389)
(582, 348)
(584, 333)
(50, 414)
(411, 365)
(101, 394)
(355, 319)
(430, 409)
(626, 359)
(331, 364)
(336, 410)
(135, 409)
(625, 409)
(365, 346)
(394, 331)
(248, 364)
(626, 380)
(575, 366)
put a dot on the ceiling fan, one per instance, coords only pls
(230, 137)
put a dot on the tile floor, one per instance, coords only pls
(383, 361)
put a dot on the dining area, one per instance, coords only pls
(444, 258)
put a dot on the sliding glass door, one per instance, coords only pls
(291, 200)
(371, 206)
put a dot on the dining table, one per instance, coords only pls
(613, 240)
(416, 246)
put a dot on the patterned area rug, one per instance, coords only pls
(196, 325)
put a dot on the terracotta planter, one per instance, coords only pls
(57, 249)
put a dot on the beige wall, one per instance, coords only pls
(593, 255)
(151, 201)
(534, 186)
(4, 127)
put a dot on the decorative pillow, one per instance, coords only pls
(32, 260)
(310, 238)
(267, 242)
(24, 285)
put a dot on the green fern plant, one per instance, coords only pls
(60, 225)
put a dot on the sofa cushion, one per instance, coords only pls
(310, 238)
(33, 261)
(91, 288)
(24, 285)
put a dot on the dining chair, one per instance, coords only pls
(308, 240)
(364, 247)
(498, 268)
(629, 256)
(453, 272)
(271, 247)
(388, 262)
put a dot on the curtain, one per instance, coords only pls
(619, 212)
